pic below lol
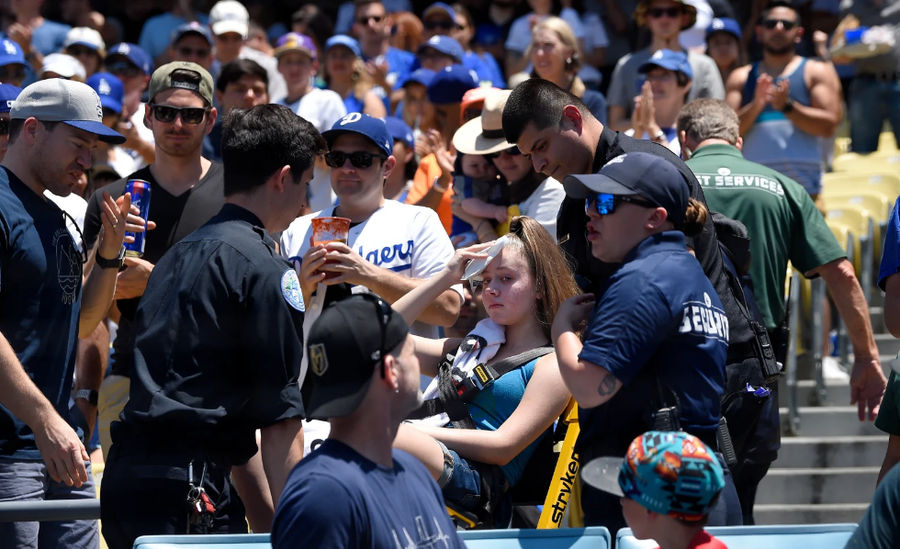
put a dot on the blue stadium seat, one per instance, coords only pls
(596, 537)
(819, 536)
(564, 538)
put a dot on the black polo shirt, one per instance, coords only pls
(219, 342)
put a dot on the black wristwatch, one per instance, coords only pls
(89, 395)
(788, 107)
(116, 263)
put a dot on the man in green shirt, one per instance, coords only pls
(783, 224)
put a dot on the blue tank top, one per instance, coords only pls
(774, 141)
(492, 406)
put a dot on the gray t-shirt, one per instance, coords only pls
(626, 82)
(869, 14)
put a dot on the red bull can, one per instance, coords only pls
(140, 197)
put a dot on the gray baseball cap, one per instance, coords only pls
(68, 101)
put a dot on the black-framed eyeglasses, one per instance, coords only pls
(359, 159)
(656, 13)
(364, 20)
(514, 151)
(384, 317)
(605, 203)
(772, 23)
(443, 25)
(189, 115)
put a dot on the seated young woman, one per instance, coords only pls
(522, 287)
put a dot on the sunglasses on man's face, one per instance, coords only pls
(189, 115)
(359, 159)
(511, 152)
(770, 24)
(443, 25)
(656, 13)
(366, 19)
(605, 203)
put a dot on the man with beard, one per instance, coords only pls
(186, 190)
(786, 102)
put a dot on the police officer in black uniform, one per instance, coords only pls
(218, 348)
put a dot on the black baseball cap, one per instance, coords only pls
(637, 173)
(345, 344)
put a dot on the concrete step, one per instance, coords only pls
(808, 514)
(835, 394)
(832, 421)
(876, 315)
(839, 451)
(818, 485)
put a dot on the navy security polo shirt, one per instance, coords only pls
(40, 300)
(219, 342)
(660, 329)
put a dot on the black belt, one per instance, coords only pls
(887, 76)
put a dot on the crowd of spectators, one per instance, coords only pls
(429, 151)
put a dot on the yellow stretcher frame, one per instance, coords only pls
(564, 484)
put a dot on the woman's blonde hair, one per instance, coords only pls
(553, 280)
(566, 35)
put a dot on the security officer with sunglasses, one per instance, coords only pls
(654, 350)
(391, 246)
(186, 191)
(218, 349)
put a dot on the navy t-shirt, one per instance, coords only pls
(659, 318)
(40, 300)
(337, 498)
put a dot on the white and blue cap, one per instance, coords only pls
(724, 24)
(637, 173)
(444, 44)
(8, 94)
(363, 124)
(400, 131)
(669, 60)
(110, 90)
(11, 53)
(343, 40)
(67, 101)
(133, 53)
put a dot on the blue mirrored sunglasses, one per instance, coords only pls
(605, 203)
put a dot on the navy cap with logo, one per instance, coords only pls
(443, 44)
(11, 53)
(724, 24)
(365, 125)
(345, 345)
(400, 131)
(450, 85)
(670, 60)
(637, 173)
(132, 53)
(110, 90)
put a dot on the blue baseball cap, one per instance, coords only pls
(110, 90)
(399, 130)
(669, 60)
(133, 54)
(420, 76)
(724, 24)
(637, 173)
(8, 94)
(440, 6)
(668, 472)
(343, 40)
(192, 27)
(11, 53)
(365, 125)
(451, 84)
(444, 44)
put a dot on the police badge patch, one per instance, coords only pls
(290, 289)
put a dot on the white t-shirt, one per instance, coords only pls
(406, 239)
(543, 204)
(322, 108)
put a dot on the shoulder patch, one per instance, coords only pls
(290, 289)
